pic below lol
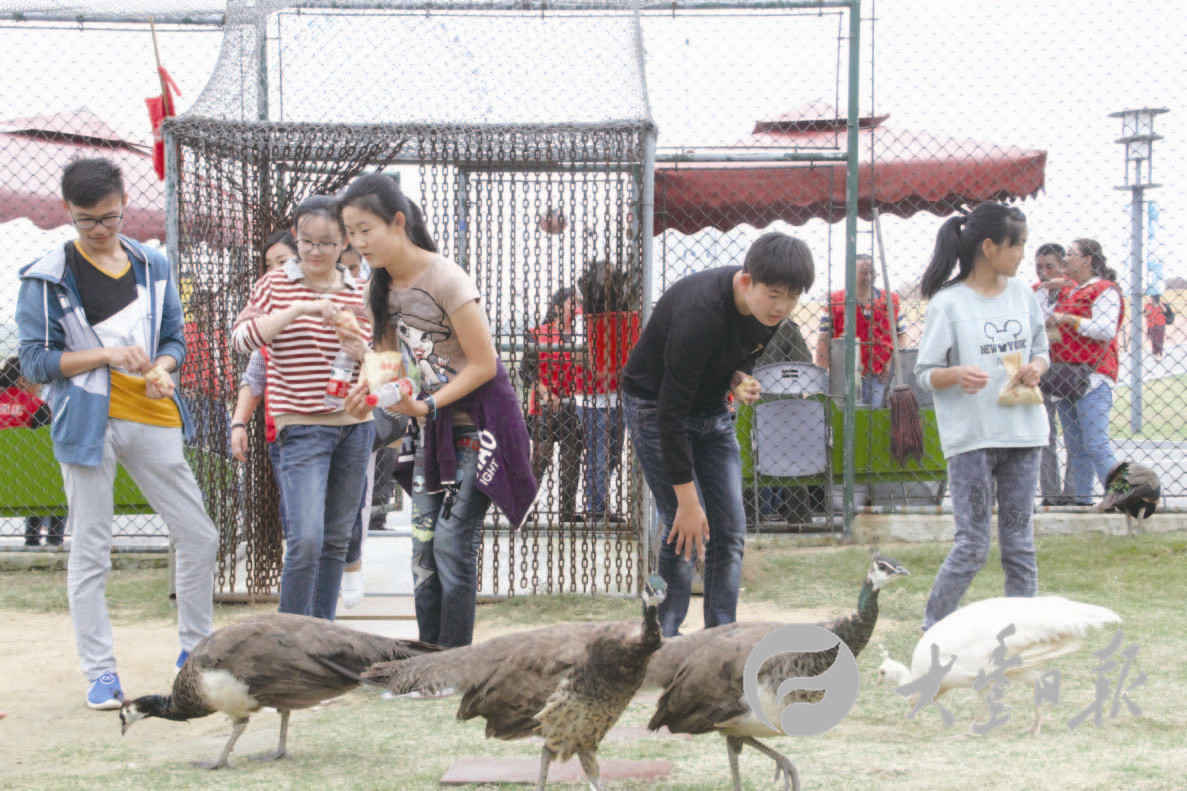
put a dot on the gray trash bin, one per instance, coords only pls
(791, 432)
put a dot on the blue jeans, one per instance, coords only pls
(603, 427)
(1086, 438)
(873, 390)
(274, 457)
(322, 471)
(717, 472)
(446, 534)
(971, 476)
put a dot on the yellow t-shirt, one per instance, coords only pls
(113, 307)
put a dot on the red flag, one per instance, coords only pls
(160, 108)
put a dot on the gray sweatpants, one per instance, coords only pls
(153, 456)
(971, 477)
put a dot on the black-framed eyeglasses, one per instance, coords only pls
(306, 245)
(87, 223)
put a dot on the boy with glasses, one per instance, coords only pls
(100, 321)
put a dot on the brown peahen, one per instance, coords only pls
(702, 676)
(1134, 490)
(567, 683)
(278, 661)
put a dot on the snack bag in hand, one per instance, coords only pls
(1016, 393)
(161, 378)
(381, 368)
(345, 320)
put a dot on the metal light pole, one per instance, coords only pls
(1137, 134)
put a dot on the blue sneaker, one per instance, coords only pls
(105, 692)
(181, 658)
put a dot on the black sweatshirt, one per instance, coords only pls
(687, 355)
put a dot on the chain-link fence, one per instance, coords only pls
(521, 130)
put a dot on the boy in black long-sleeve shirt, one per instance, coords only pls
(700, 343)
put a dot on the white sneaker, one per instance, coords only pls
(351, 589)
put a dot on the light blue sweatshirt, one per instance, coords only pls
(965, 328)
(51, 321)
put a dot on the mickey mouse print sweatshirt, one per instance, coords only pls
(965, 328)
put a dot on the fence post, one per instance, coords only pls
(851, 187)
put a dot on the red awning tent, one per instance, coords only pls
(900, 173)
(33, 152)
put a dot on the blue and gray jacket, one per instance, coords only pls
(51, 320)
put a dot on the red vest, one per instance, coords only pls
(556, 370)
(205, 350)
(269, 421)
(1072, 347)
(17, 408)
(876, 349)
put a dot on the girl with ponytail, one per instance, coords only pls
(975, 319)
(473, 442)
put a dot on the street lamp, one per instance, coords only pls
(1137, 135)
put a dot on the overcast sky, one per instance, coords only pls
(1037, 75)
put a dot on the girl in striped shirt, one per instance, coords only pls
(324, 450)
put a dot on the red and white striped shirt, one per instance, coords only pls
(302, 355)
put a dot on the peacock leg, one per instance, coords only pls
(221, 761)
(783, 765)
(733, 748)
(589, 763)
(1038, 723)
(545, 760)
(280, 748)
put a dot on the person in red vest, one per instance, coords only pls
(553, 378)
(873, 332)
(209, 354)
(20, 407)
(1156, 324)
(1088, 317)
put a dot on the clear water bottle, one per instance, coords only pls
(391, 393)
(341, 375)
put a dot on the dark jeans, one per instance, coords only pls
(354, 550)
(550, 429)
(717, 471)
(971, 477)
(445, 541)
(55, 530)
(603, 428)
(385, 489)
(1049, 484)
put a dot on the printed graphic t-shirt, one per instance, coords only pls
(420, 315)
(113, 308)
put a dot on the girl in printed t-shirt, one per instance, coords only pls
(973, 321)
(427, 306)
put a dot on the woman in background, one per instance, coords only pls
(553, 378)
(1087, 319)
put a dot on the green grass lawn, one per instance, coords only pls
(365, 742)
(1164, 407)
